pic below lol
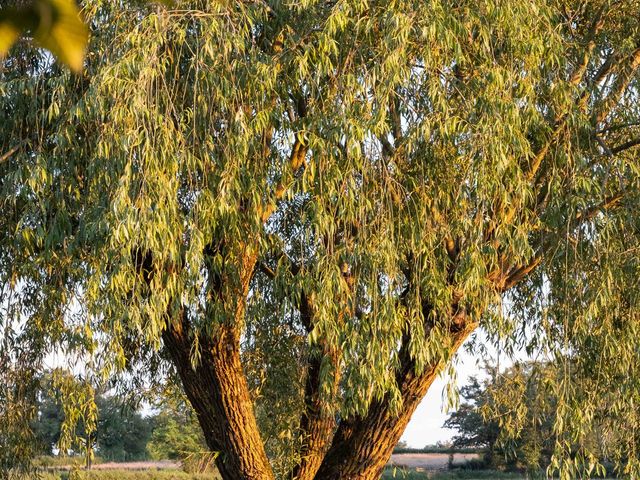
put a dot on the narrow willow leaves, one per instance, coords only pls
(355, 182)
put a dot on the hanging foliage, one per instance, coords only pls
(305, 209)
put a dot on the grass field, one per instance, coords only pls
(129, 475)
(390, 473)
(406, 466)
(395, 473)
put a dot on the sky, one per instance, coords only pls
(425, 427)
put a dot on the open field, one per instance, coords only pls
(128, 475)
(405, 466)
(429, 461)
(426, 461)
(391, 473)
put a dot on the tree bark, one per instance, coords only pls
(362, 446)
(218, 392)
(318, 420)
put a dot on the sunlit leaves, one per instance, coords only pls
(54, 24)
(376, 158)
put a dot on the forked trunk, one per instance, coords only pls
(362, 446)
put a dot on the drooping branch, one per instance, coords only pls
(617, 90)
(626, 146)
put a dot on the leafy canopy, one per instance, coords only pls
(406, 166)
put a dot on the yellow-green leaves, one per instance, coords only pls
(9, 30)
(54, 24)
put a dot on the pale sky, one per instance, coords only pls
(425, 427)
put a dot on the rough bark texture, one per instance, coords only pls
(318, 420)
(362, 446)
(219, 394)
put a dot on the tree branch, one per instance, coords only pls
(6, 155)
(594, 29)
(296, 161)
(519, 272)
(609, 202)
(620, 86)
(626, 146)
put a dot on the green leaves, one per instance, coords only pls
(413, 199)
(54, 25)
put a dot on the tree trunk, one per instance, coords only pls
(362, 446)
(318, 420)
(218, 392)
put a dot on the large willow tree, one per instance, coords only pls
(306, 207)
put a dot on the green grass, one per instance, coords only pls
(392, 473)
(129, 475)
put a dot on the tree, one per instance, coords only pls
(513, 415)
(474, 431)
(47, 426)
(518, 392)
(121, 433)
(346, 188)
(177, 435)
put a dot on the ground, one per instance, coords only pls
(406, 466)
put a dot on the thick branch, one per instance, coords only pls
(594, 29)
(215, 384)
(609, 202)
(318, 420)
(363, 445)
(296, 162)
(6, 155)
(626, 146)
(517, 273)
(217, 389)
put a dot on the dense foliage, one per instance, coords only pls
(486, 418)
(346, 189)
(114, 431)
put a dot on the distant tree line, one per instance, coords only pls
(121, 433)
(512, 416)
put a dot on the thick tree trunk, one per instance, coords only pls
(362, 446)
(218, 392)
(318, 420)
